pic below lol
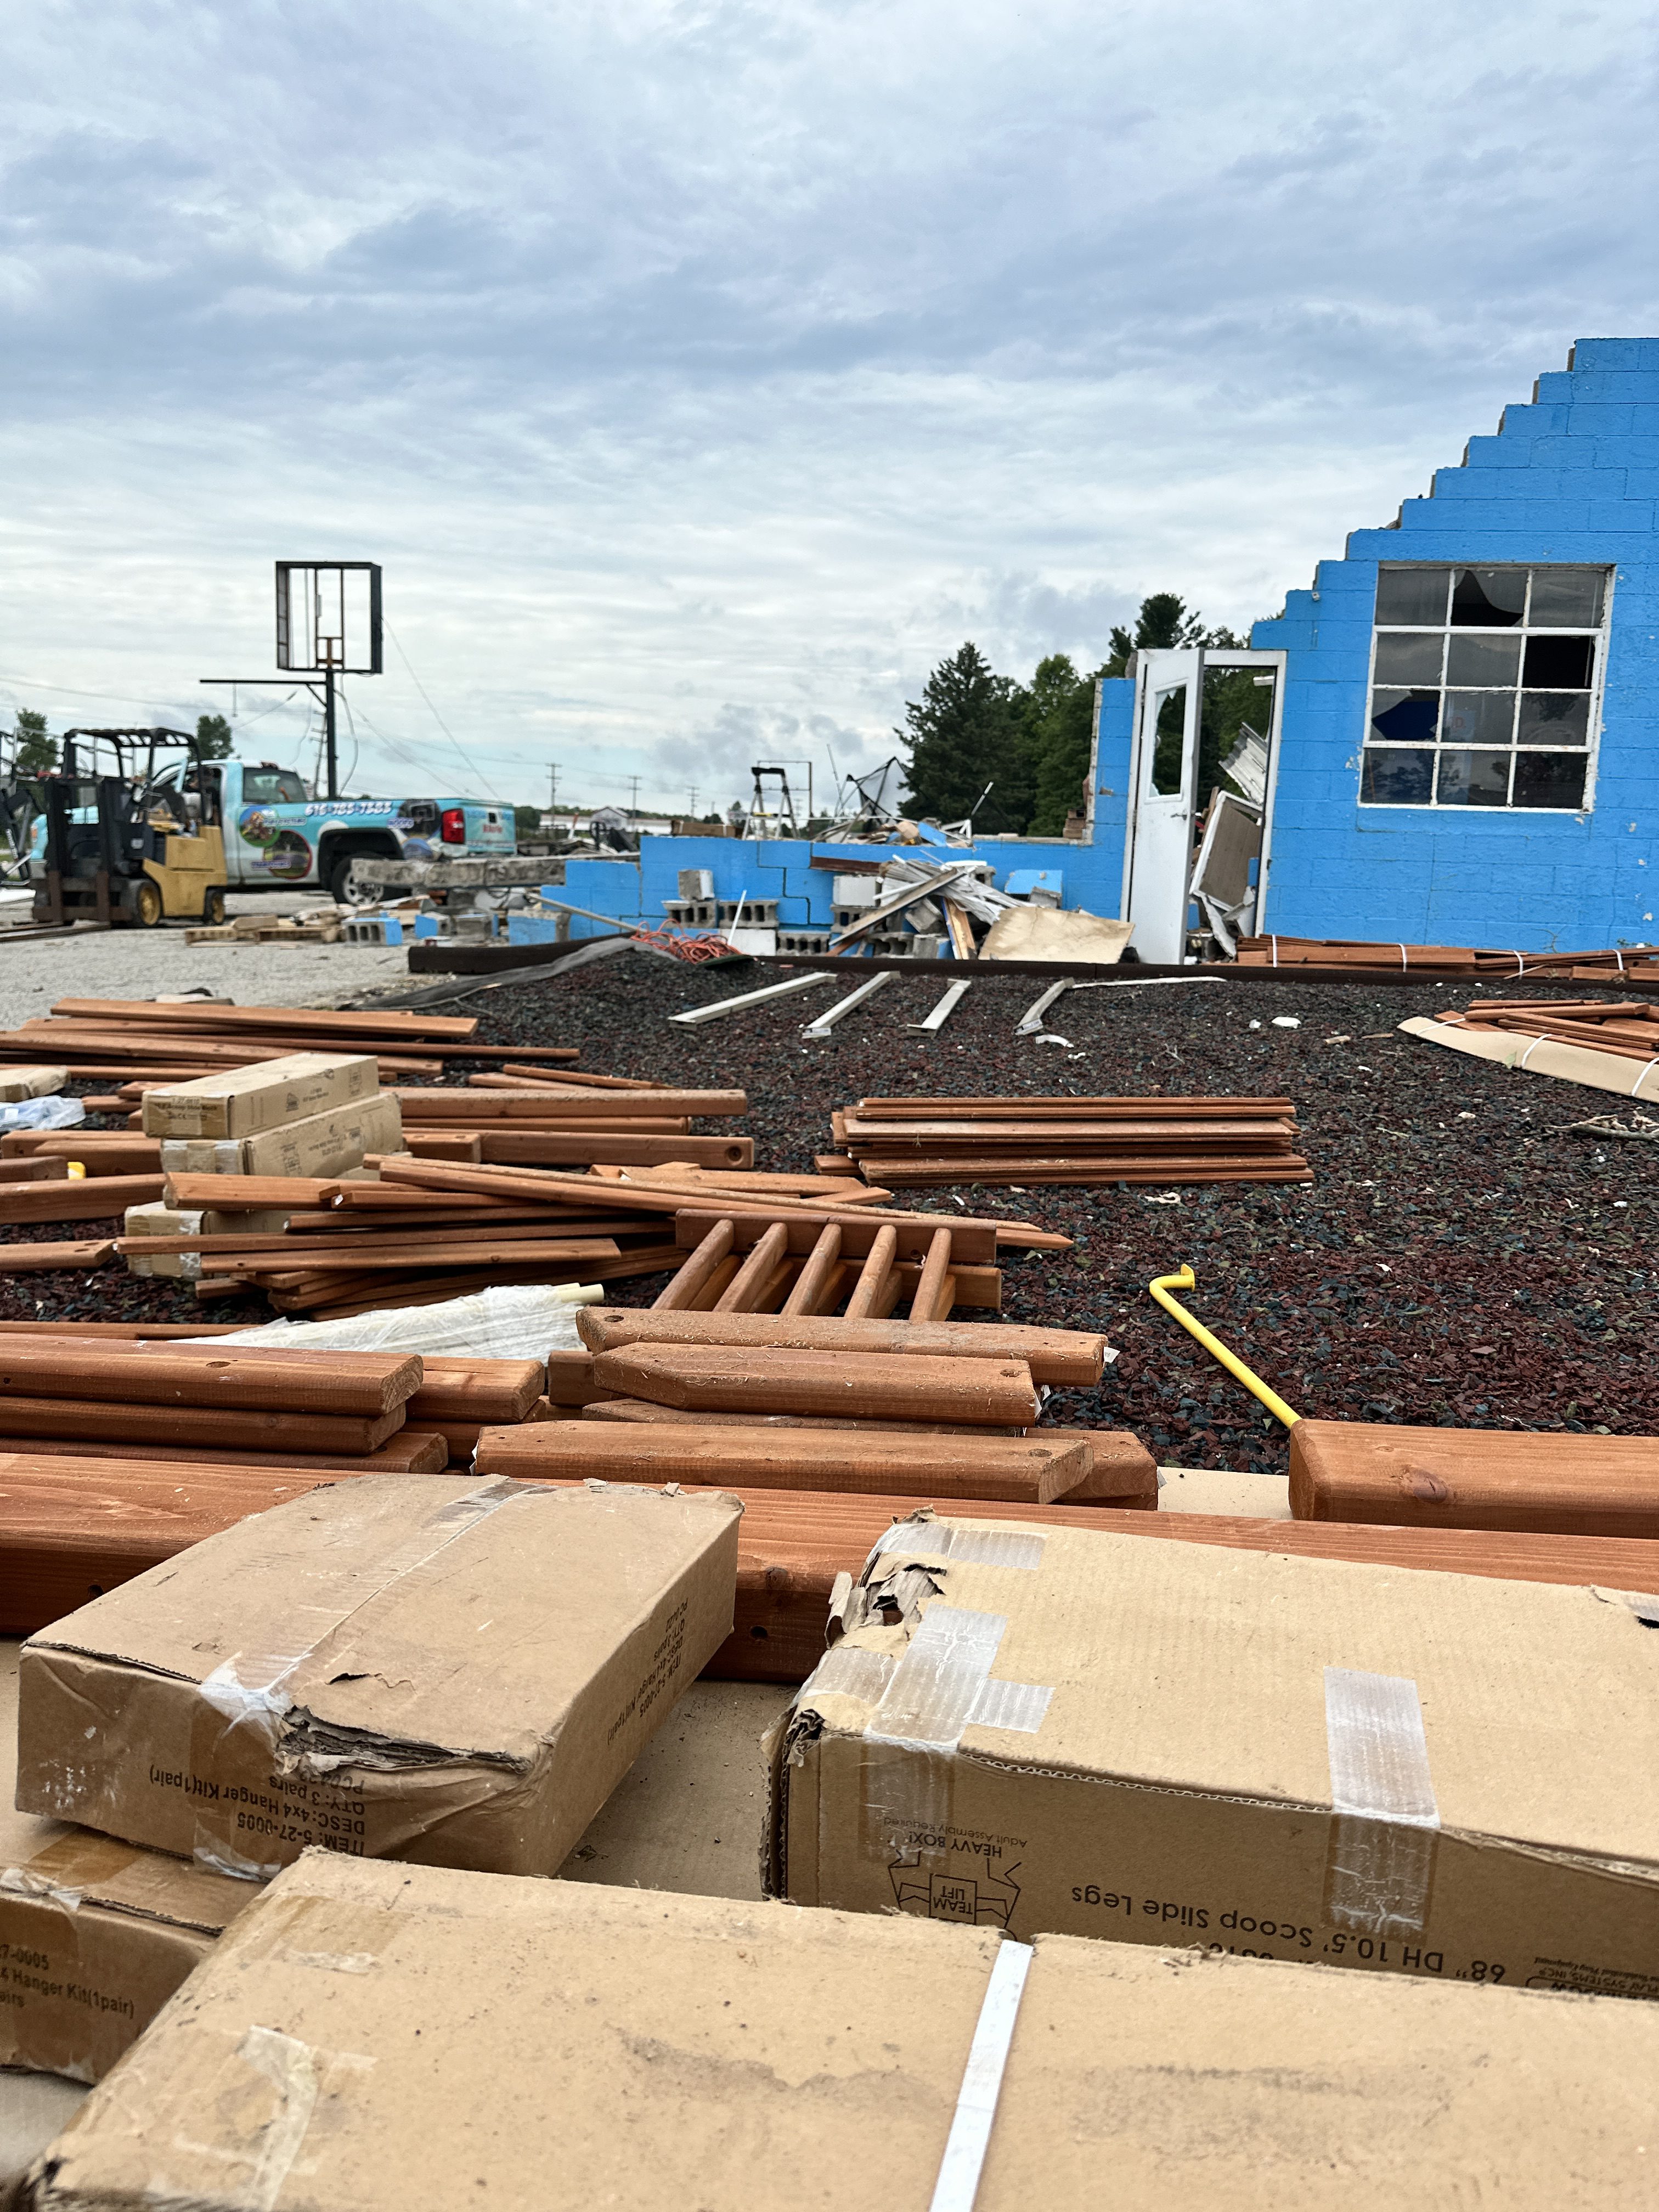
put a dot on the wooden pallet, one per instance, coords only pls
(741, 1263)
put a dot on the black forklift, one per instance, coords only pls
(102, 838)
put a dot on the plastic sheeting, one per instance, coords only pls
(515, 1321)
(42, 1113)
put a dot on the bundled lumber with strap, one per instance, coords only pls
(1081, 1141)
(1484, 1478)
(1441, 960)
(1068, 1358)
(1629, 1029)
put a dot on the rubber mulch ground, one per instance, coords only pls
(1458, 1258)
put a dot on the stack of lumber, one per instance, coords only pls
(133, 1038)
(902, 1142)
(552, 1124)
(1443, 959)
(1629, 1030)
(424, 1231)
(1545, 1485)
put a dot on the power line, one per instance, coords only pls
(461, 755)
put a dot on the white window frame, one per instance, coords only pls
(1598, 673)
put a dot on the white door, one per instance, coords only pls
(1158, 856)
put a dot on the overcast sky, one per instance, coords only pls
(703, 373)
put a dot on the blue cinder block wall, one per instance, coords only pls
(781, 868)
(1573, 477)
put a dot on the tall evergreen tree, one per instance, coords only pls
(965, 731)
(33, 751)
(1059, 706)
(213, 734)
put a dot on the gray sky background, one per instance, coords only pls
(703, 374)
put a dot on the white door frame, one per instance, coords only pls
(1159, 907)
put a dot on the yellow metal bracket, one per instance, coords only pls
(1185, 1281)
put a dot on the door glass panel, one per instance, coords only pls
(1483, 659)
(1478, 718)
(1473, 780)
(1549, 779)
(1559, 664)
(1488, 598)
(1170, 743)
(1398, 779)
(1555, 718)
(1566, 599)
(1404, 657)
(1413, 597)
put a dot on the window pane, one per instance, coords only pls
(1566, 599)
(1559, 664)
(1475, 778)
(1403, 658)
(1549, 779)
(1488, 598)
(1483, 659)
(1405, 717)
(1415, 597)
(1555, 718)
(1169, 752)
(1478, 718)
(1391, 779)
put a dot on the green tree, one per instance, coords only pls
(34, 752)
(969, 729)
(213, 734)
(1060, 709)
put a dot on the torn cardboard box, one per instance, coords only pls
(1305, 1759)
(244, 1101)
(94, 1935)
(402, 2040)
(448, 1671)
(319, 1145)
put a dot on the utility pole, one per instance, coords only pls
(691, 802)
(552, 784)
(634, 794)
(329, 751)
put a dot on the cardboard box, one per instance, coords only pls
(1306, 1759)
(402, 2040)
(452, 1671)
(321, 1145)
(17, 1083)
(94, 1935)
(268, 1095)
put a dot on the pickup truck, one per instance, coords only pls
(279, 838)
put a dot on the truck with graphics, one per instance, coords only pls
(277, 837)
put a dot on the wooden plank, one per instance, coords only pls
(1485, 1479)
(806, 1294)
(438, 1252)
(603, 1105)
(920, 1174)
(865, 1298)
(973, 1241)
(101, 1197)
(238, 1020)
(797, 1459)
(410, 1451)
(214, 1426)
(42, 1259)
(33, 1167)
(1067, 1358)
(1069, 1109)
(550, 1148)
(235, 1378)
(695, 1275)
(744, 1293)
(773, 1379)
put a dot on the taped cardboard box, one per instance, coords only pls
(444, 1670)
(244, 1101)
(320, 1145)
(94, 1935)
(401, 2039)
(1306, 1759)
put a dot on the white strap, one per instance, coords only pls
(1635, 1086)
(1619, 957)
(1532, 1049)
(1275, 944)
(1520, 963)
(1403, 961)
(969, 2137)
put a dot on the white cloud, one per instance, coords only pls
(703, 373)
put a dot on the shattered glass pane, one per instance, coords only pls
(1555, 718)
(1488, 598)
(1397, 779)
(1478, 718)
(1405, 717)
(1559, 664)
(1566, 599)
(1404, 657)
(1483, 659)
(1415, 597)
(1474, 779)
(1549, 779)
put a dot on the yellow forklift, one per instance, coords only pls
(106, 840)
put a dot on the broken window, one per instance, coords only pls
(1483, 685)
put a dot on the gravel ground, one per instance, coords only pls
(1457, 1259)
(137, 964)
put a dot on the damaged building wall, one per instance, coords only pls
(1391, 824)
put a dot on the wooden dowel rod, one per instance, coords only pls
(681, 1294)
(872, 1276)
(819, 1265)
